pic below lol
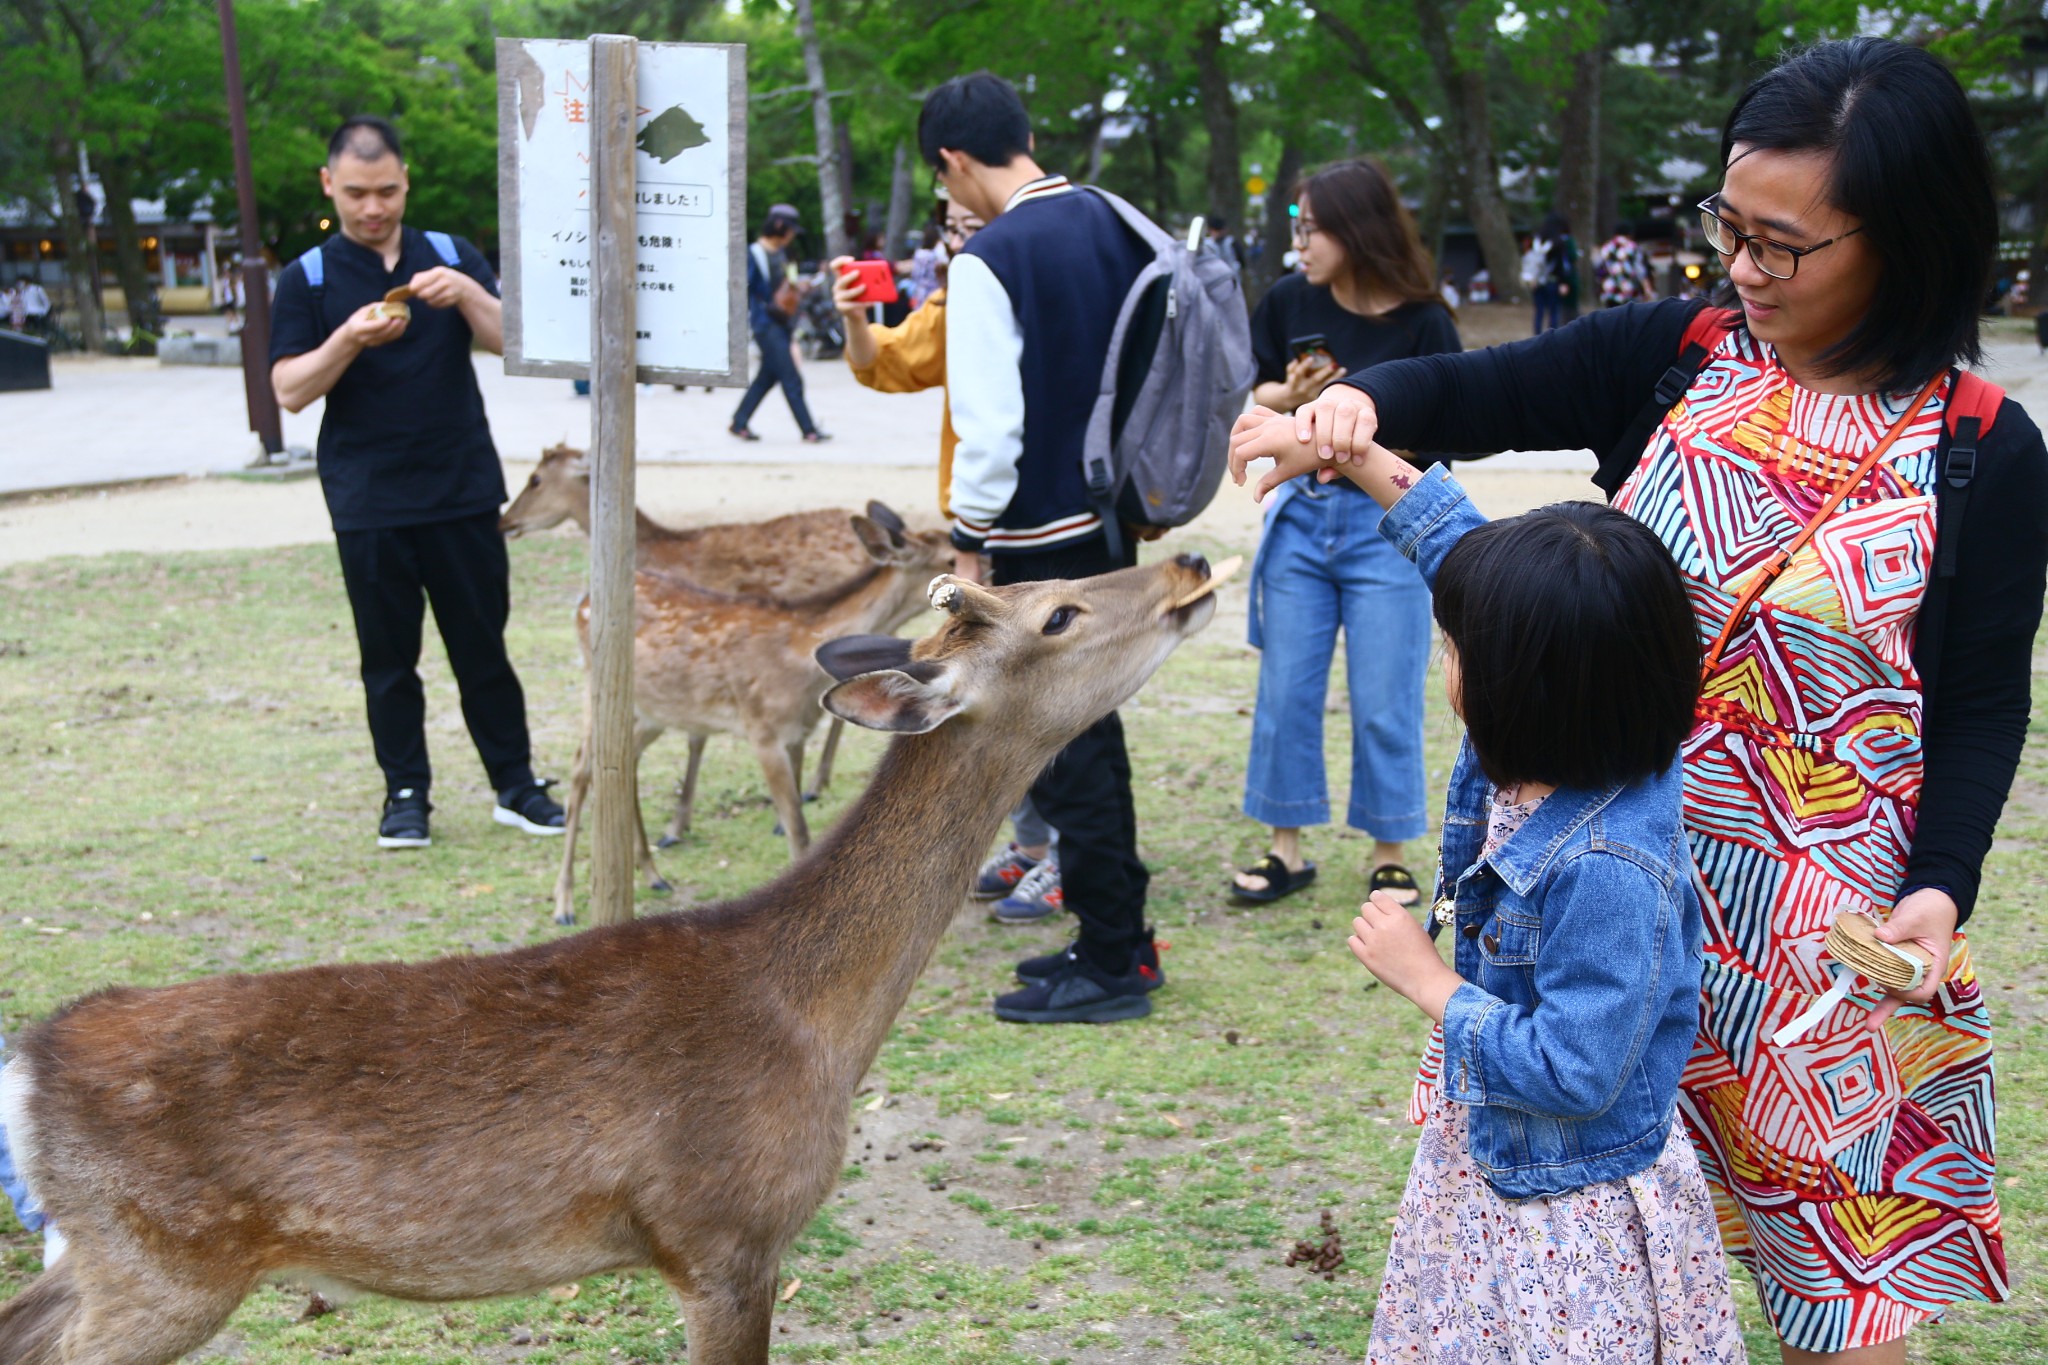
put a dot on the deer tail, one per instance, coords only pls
(34, 1321)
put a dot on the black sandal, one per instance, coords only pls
(1394, 877)
(1281, 880)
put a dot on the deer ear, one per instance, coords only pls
(884, 516)
(874, 539)
(892, 700)
(852, 655)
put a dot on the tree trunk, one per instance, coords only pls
(1155, 139)
(81, 259)
(1436, 207)
(900, 189)
(1578, 162)
(1470, 121)
(830, 184)
(136, 285)
(1219, 115)
(1278, 234)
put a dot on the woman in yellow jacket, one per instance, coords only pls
(908, 358)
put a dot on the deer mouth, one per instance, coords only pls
(1183, 607)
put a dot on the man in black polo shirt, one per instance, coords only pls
(412, 480)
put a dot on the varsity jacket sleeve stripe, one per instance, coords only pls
(984, 356)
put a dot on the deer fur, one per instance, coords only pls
(707, 662)
(672, 1092)
(798, 555)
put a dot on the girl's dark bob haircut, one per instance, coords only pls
(1907, 162)
(1578, 656)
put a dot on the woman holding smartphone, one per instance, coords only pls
(1366, 293)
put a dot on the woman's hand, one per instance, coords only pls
(1926, 919)
(1263, 434)
(1397, 950)
(1340, 424)
(1308, 375)
(848, 292)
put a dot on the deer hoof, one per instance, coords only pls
(778, 828)
(668, 841)
(565, 916)
(659, 884)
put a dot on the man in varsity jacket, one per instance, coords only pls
(1030, 305)
(412, 480)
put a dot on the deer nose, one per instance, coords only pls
(1193, 561)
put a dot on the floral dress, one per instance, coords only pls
(1853, 1172)
(1618, 1271)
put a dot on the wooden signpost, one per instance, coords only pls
(622, 200)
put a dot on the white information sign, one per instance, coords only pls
(690, 195)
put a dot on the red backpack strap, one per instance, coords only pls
(1973, 404)
(1974, 396)
(1706, 330)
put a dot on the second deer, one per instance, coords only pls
(706, 662)
(673, 1092)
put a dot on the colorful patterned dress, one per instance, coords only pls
(1852, 1172)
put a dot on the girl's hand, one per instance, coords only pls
(847, 288)
(1926, 918)
(1397, 950)
(1340, 424)
(1263, 434)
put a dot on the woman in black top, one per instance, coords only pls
(1366, 293)
(1866, 699)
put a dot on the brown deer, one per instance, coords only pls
(673, 1092)
(796, 555)
(706, 662)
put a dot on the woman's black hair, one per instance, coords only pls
(979, 114)
(1578, 655)
(1906, 161)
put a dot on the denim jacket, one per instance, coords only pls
(1579, 942)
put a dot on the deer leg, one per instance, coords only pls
(822, 778)
(780, 764)
(644, 734)
(686, 798)
(565, 880)
(728, 1320)
(134, 1316)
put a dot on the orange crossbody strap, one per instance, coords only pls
(1775, 565)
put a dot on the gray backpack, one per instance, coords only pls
(1179, 367)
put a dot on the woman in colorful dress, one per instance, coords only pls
(1864, 532)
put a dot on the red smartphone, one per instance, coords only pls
(877, 280)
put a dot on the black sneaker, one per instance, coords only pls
(405, 820)
(1077, 993)
(1033, 971)
(529, 807)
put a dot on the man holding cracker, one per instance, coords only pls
(380, 319)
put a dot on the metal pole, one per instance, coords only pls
(264, 419)
(614, 840)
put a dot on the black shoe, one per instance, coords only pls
(405, 820)
(1034, 971)
(1077, 993)
(529, 807)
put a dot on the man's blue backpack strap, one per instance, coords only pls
(444, 247)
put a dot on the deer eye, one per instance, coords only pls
(1061, 618)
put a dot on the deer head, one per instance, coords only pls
(1062, 652)
(558, 491)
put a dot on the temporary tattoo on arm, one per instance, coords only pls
(1401, 481)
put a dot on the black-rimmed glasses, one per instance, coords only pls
(1776, 259)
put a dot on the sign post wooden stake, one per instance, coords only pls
(614, 828)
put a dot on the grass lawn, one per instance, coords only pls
(193, 793)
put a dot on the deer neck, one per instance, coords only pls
(859, 918)
(645, 528)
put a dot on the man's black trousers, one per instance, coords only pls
(461, 567)
(1085, 793)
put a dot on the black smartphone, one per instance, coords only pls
(1314, 345)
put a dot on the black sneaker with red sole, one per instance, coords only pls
(1033, 971)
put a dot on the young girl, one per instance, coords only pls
(1555, 1208)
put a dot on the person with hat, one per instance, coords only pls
(771, 307)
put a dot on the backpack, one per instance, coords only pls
(315, 264)
(1973, 403)
(1536, 262)
(1175, 379)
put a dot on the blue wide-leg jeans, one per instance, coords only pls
(1323, 565)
